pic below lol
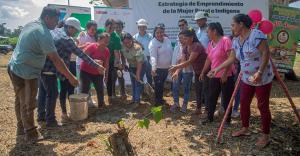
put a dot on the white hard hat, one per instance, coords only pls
(200, 15)
(74, 22)
(142, 22)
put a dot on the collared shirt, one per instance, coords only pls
(133, 55)
(114, 43)
(29, 56)
(202, 36)
(144, 40)
(250, 58)
(65, 47)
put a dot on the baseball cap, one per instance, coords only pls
(74, 22)
(200, 15)
(142, 22)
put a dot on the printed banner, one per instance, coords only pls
(101, 14)
(83, 14)
(170, 11)
(285, 36)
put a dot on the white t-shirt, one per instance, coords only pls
(82, 39)
(160, 53)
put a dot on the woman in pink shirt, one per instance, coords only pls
(88, 74)
(218, 51)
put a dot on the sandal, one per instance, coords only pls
(262, 143)
(241, 133)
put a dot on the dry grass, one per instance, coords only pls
(176, 134)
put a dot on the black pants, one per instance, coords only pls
(159, 81)
(66, 89)
(111, 79)
(199, 90)
(85, 83)
(215, 88)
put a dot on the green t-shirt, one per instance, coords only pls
(29, 56)
(133, 55)
(114, 43)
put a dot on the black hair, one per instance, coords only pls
(103, 35)
(90, 24)
(51, 12)
(216, 26)
(243, 18)
(190, 32)
(109, 21)
(158, 26)
(60, 24)
(183, 20)
(127, 35)
(119, 22)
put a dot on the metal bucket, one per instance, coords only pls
(78, 106)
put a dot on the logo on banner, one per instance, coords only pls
(100, 12)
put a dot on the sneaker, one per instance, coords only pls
(54, 125)
(219, 113)
(183, 108)
(65, 118)
(174, 107)
(235, 114)
(33, 136)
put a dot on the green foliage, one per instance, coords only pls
(144, 123)
(157, 113)
(11, 41)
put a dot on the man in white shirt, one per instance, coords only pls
(144, 38)
(201, 20)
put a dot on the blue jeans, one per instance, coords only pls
(187, 82)
(147, 68)
(47, 96)
(137, 87)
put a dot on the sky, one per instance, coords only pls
(19, 12)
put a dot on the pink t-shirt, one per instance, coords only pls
(219, 54)
(95, 53)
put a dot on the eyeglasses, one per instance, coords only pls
(180, 25)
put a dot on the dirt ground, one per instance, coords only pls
(177, 134)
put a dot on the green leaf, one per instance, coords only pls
(156, 109)
(121, 123)
(157, 113)
(146, 122)
(141, 123)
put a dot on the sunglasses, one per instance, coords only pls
(180, 25)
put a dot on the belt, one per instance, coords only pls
(48, 73)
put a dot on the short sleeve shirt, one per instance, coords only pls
(144, 40)
(198, 64)
(95, 53)
(219, 54)
(114, 43)
(29, 56)
(250, 58)
(133, 55)
(202, 36)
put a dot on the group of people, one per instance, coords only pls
(47, 52)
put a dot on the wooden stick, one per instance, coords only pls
(285, 89)
(220, 131)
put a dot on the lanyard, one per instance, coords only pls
(241, 48)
